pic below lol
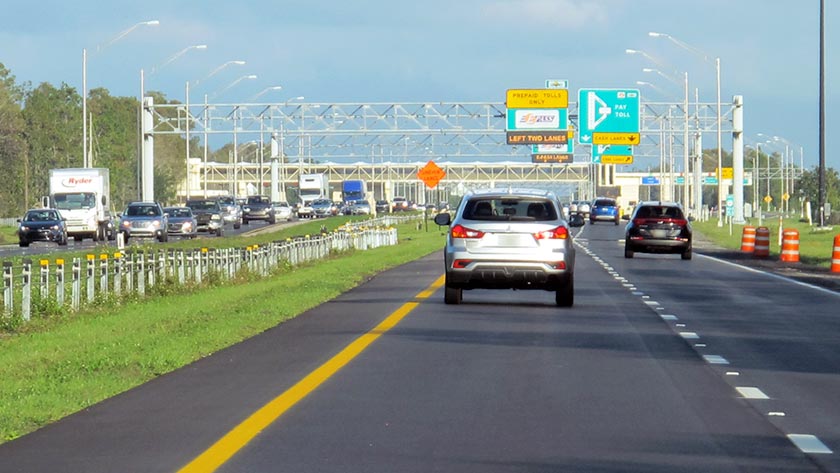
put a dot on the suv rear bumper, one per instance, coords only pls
(508, 275)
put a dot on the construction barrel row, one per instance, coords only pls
(757, 241)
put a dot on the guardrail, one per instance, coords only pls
(71, 285)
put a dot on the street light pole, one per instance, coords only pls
(99, 49)
(719, 114)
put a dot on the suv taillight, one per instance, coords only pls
(559, 233)
(460, 231)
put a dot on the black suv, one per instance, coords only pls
(658, 227)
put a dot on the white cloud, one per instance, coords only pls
(569, 14)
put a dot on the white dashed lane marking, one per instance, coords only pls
(751, 393)
(809, 443)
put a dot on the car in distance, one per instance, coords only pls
(144, 220)
(658, 227)
(604, 209)
(282, 211)
(580, 206)
(322, 208)
(509, 239)
(42, 225)
(258, 207)
(360, 207)
(182, 222)
(231, 210)
(209, 215)
(382, 206)
(400, 204)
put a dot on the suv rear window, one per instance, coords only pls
(659, 211)
(502, 208)
(604, 203)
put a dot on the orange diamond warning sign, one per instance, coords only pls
(431, 174)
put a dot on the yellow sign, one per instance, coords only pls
(617, 159)
(785, 196)
(768, 199)
(615, 138)
(728, 173)
(537, 98)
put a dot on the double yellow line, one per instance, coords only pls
(227, 446)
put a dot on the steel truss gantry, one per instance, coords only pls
(390, 141)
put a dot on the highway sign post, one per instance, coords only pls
(608, 116)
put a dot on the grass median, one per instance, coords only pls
(815, 247)
(57, 366)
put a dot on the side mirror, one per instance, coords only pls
(443, 219)
(576, 220)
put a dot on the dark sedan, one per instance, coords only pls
(42, 225)
(658, 227)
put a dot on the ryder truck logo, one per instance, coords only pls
(76, 181)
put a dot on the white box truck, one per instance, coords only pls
(311, 188)
(83, 196)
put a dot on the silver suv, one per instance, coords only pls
(144, 220)
(509, 239)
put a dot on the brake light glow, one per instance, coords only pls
(559, 233)
(460, 231)
(461, 263)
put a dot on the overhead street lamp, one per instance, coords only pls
(706, 58)
(267, 89)
(99, 49)
(176, 56)
(685, 199)
(248, 77)
(218, 69)
(655, 87)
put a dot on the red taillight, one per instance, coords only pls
(639, 221)
(461, 263)
(559, 233)
(679, 222)
(460, 231)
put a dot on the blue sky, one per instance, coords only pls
(464, 50)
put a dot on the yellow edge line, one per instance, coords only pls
(239, 436)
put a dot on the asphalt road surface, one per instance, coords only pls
(662, 365)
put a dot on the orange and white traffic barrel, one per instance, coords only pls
(762, 242)
(835, 256)
(748, 239)
(790, 246)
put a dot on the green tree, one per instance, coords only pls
(53, 118)
(13, 152)
(115, 145)
(809, 186)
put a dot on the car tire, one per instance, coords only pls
(452, 295)
(272, 221)
(564, 296)
(245, 221)
(63, 241)
(237, 225)
(24, 244)
(686, 255)
(163, 238)
(592, 221)
(628, 252)
(220, 232)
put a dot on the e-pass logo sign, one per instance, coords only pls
(537, 119)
